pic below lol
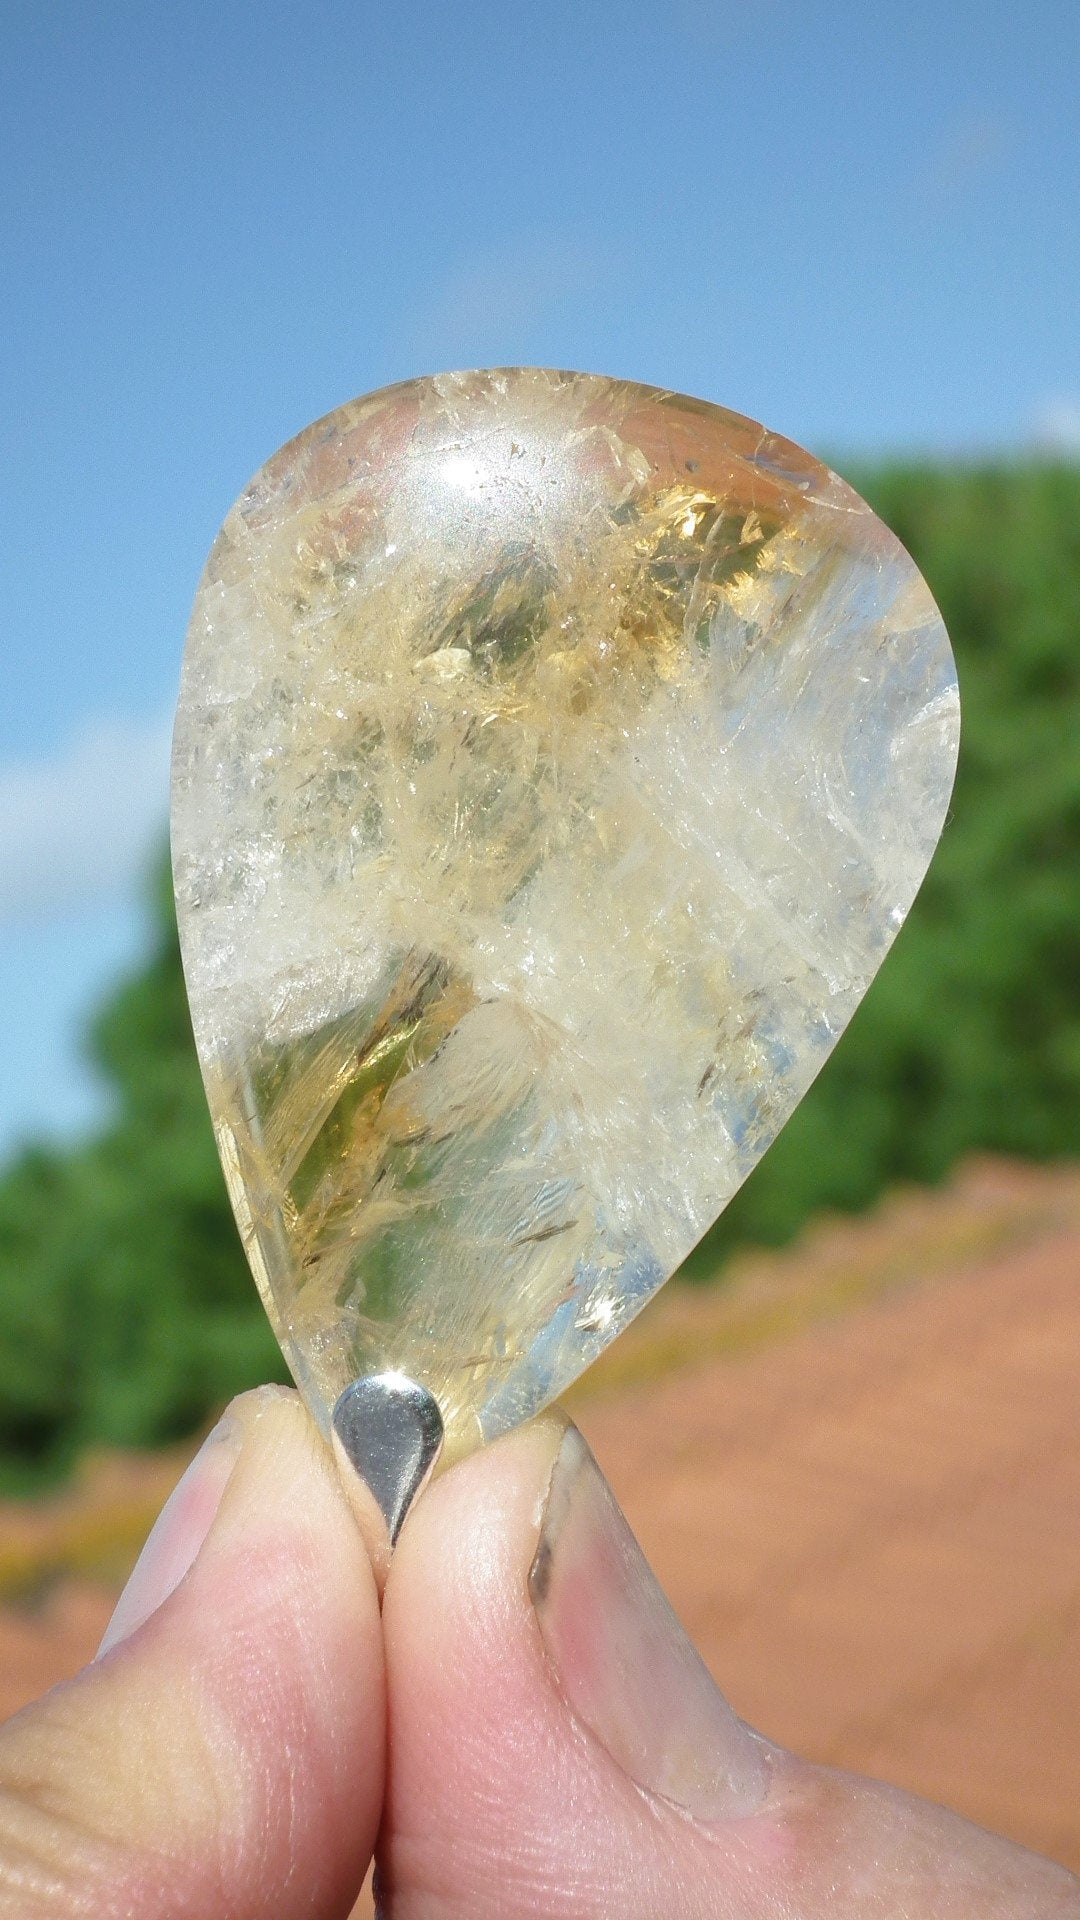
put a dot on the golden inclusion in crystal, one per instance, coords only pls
(556, 760)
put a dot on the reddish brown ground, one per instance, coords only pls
(857, 1471)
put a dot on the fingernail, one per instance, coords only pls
(178, 1532)
(623, 1663)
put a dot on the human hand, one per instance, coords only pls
(555, 1747)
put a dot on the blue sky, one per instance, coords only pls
(856, 221)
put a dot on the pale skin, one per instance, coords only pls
(255, 1728)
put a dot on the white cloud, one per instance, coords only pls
(76, 827)
(1056, 427)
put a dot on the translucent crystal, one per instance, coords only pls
(556, 761)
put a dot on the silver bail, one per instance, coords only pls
(390, 1431)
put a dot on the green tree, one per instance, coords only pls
(127, 1312)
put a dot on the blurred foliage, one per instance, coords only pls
(127, 1313)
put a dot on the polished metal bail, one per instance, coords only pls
(390, 1431)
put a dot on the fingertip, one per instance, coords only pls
(557, 1747)
(482, 1518)
(236, 1725)
(496, 1803)
(280, 1615)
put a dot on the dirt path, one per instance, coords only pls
(872, 1526)
(857, 1470)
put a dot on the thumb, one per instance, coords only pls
(224, 1753)
(557, 1747)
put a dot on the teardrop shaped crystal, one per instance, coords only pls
(555, 763)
